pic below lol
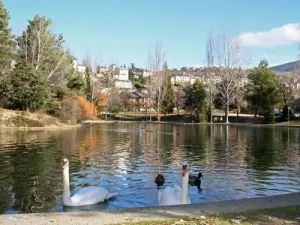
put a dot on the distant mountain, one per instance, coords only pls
(287, 67)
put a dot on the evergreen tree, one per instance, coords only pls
(43, 50)
(196, 100)
(262, 92)
(167, 103)
(27, 89)
(88, 84)
(6, 41)
(77, 84)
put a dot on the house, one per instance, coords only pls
(183, 78)
(147, 73)
(78, 67)
(120, 76)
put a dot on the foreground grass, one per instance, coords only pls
(285, 215)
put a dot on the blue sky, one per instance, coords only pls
(124, 31)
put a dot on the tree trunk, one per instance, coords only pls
(256, 109)
(158, 112)
(237, 108)
(210, 105)
(226, 113)
(158, 116)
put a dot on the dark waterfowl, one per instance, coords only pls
(160, 180)
(196, 181)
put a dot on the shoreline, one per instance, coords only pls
(64, 127)
(154, 213)
(90, 122)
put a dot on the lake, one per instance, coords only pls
(236, 161)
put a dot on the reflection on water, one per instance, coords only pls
(237, 162)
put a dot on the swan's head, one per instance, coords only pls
(185, 168)
(65, 163)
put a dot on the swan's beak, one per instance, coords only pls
(184, 170)
(64, 165)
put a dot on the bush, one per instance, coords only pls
(70, 111)
(88, 109)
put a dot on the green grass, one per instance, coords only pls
(284, 215)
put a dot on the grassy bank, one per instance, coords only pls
(11, 118)
(276, 216)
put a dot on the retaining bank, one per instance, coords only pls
(153, 213)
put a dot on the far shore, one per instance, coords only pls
(62, 127)
(87, 122)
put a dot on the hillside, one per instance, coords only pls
(287, 67)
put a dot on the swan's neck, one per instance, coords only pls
(66, 191)
(184, 189)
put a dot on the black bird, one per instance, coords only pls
(160, 180)
(196, 181)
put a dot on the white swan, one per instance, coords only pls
(85, 196)
(176, 195)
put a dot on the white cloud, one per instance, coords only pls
(286, 34)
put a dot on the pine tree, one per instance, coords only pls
(196, 100)
(88, 82)
(27, 89)
(5, 40)
(167, 103)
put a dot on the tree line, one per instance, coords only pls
(36, 69)
(37, 73)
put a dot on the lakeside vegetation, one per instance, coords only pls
(37, 74)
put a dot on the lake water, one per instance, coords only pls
(236, 162)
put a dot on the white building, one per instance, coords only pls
(147, 73)
(122, 73)
(182, 79)
(122, 78)
(78, 67)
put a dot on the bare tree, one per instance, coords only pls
(228, 58)
(210, 75)
(104, 83)
(158, 78)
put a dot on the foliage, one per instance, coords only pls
(167, 103)
(70, 111)
(179, 100)
(77, 84)
(6, 41)
(44, 51)
(218, 101)
(131, 74)
(88, 109)
(26, 89)
(113, 101)
(88, 82)
(5, 88)
(286, 91)
(140, 80)
(262, 91)
(125, 101)
(287, 114)
(196, 100)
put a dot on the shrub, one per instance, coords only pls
(88, 109)
(70, 111)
